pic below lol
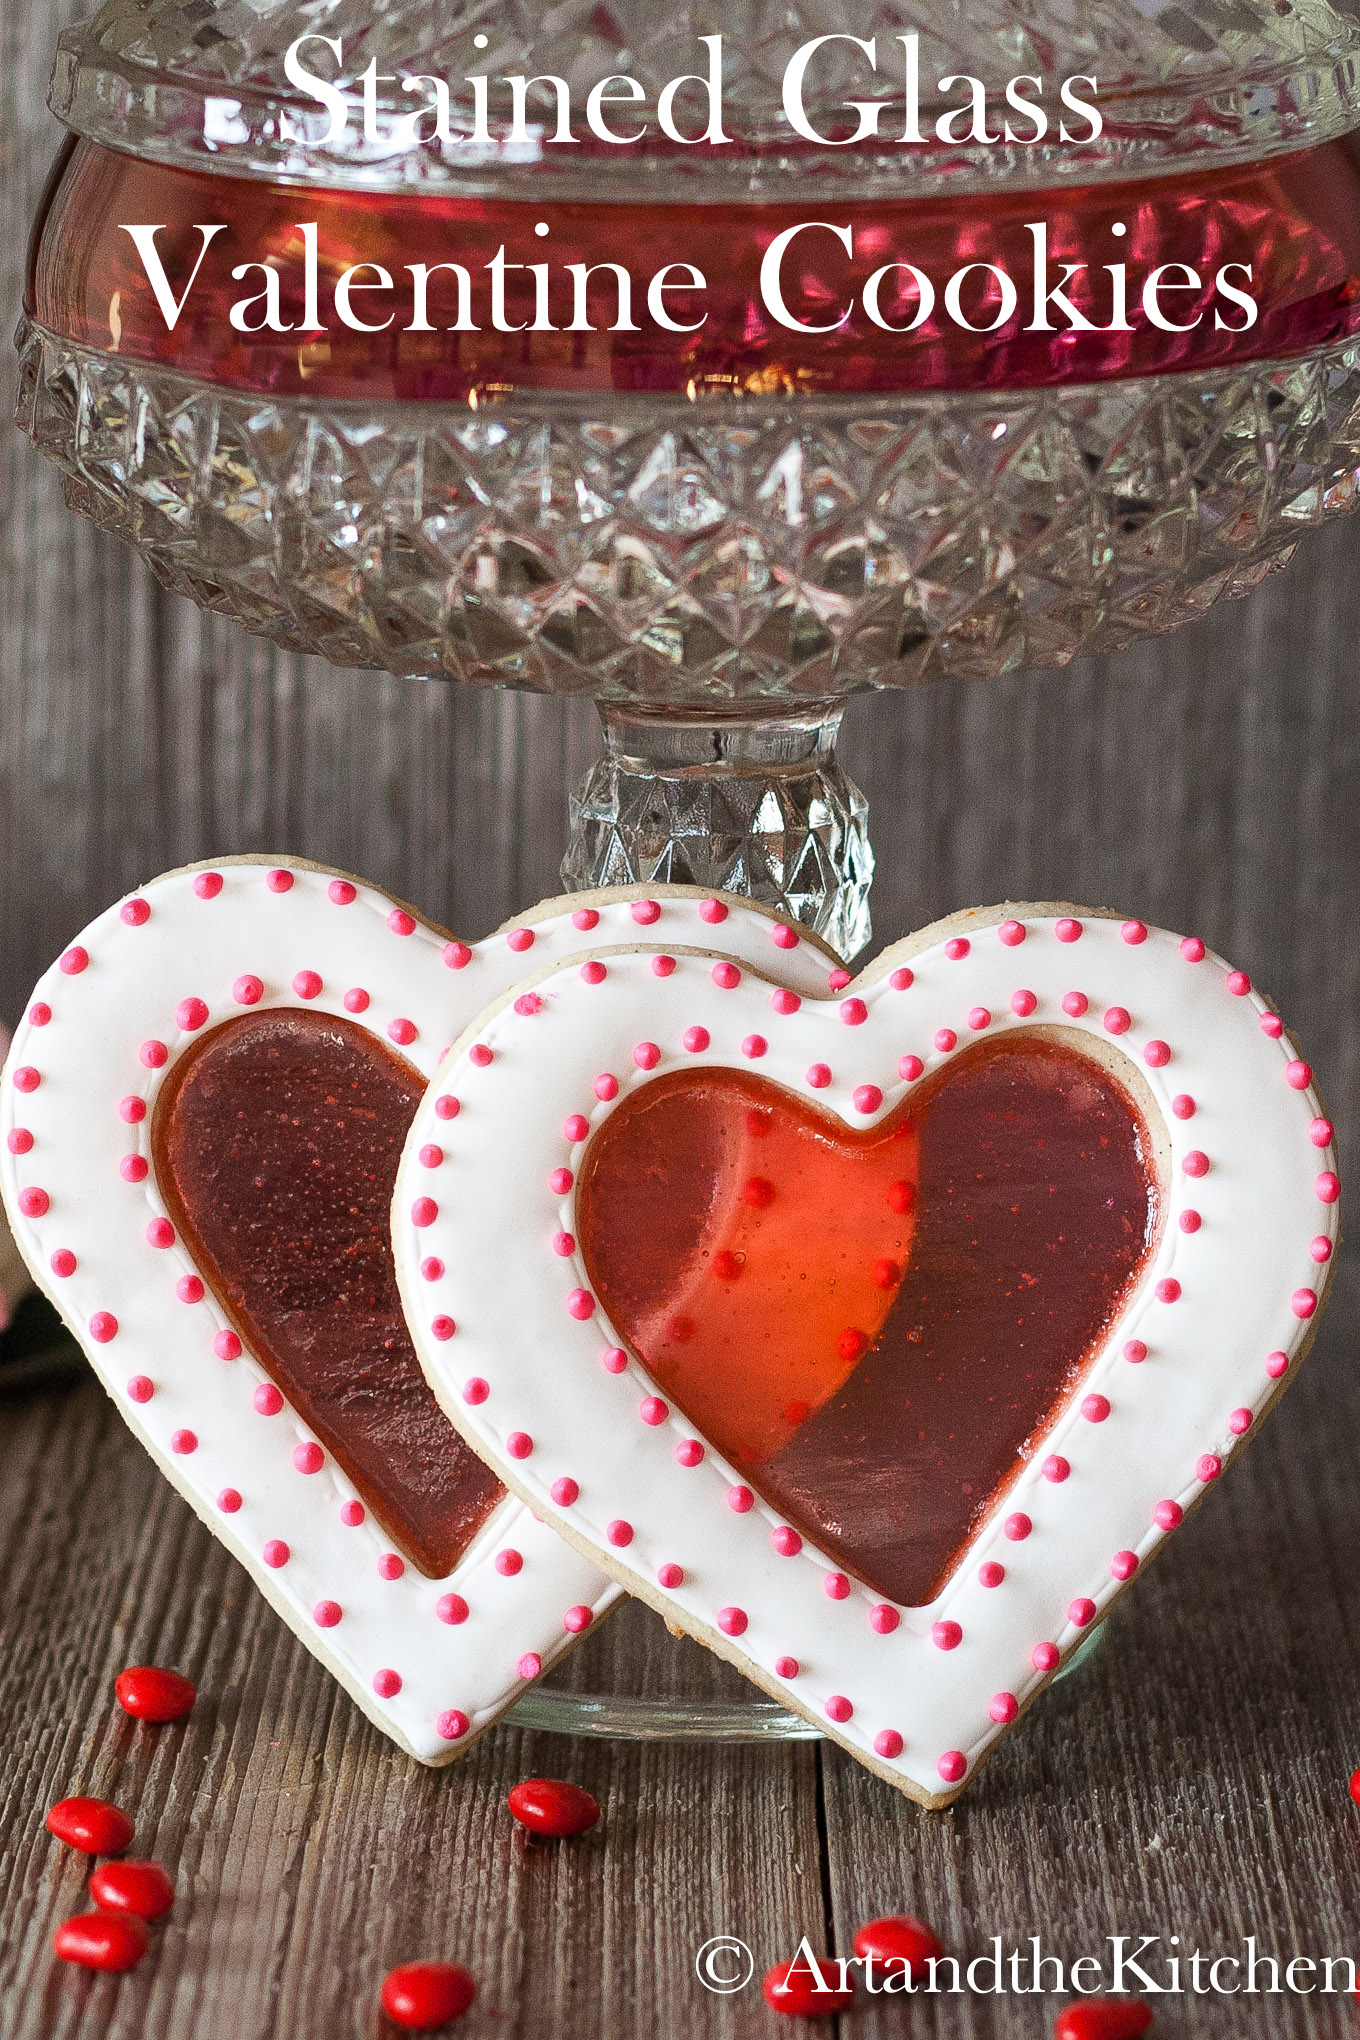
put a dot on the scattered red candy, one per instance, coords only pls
(1103, 2019)
(142, 1889)
(92, 1825)
(900, 1939)
(1355, 1787)
(101, 1940)
(791, 1988)
(550, 1806)
(423, 1995)
(154, 1695)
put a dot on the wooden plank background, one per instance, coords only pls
(1191, 1782)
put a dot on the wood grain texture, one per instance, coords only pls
(1191, 1782)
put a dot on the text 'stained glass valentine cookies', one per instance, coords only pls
(203, 1113)
(891, 1330)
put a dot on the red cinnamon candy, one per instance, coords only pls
(141, 1889)
(552, 1806)
(93, 1825)
(422, 1996)
(1355, 1787)
(899, 1940)
(152, 1694)
(801, 1992)
(109, 1941)
(1103, 2019)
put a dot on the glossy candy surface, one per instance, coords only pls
(110, 1941)
(93, 1825)
(422, 1996)
(152, 1694)
(553, 1806)
(142, 1889)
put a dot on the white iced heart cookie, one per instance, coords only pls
(890, 1332)
(202, 1112)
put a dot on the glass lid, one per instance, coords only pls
(205, 82)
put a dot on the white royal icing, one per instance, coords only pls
(1251, 1279)
(83, 1036)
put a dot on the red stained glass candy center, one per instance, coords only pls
(876, 1327)
(276, 1143)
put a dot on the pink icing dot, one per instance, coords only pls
(1133, 932)
(854, 1012)
(613, 1360)
(696, 1039)
(229, 1501)
(160, 1233)
(867, 1098)
(575, 1128)
(836, 1586)
(1156, 1055)
(26, 1078)
(447, 1107)
(452, 1724)
(559, 1180)
(183, 1441)
(786, 1668)
(275, 1552)
(208, 884)
(957, 947)
(431, 1156)
(819, 1076)
(136, 912)
(530, 1665)
(247, 991)
(189, 1289)
(1196, 1163)
(386, 1683)
(740, 1500)
(308, 1457)
(1124, 1565)
(585, 918)
(352, 1514)
(1067, 930)
(1003, 1707)
(838, 1708)
(509, 1562)
(190, 1014)
(785, 1002)
(902, 979)
(520, 939)
(645, 912)
(1135, 1352)
(103, 1327)
(837, 980)
(1081, 1612)
(1044, 1656)
(1023, 1004)
(39, 1013)
(580, 1304)
(565, 1491)
(442, 1328)
(713, 912)
(340, 892)
(883, 1619)
(356, 1000)
(519, 1444)
(279, 881)
(574, 1620)
(1320, 1132)
(1303, 1302)
(1192, 949)
(951, 1766)
(670, 1576)
(946, 1039)
(593, 972)
(564, 1244)
(19, 1140)
(400, 922)
(653, 1410)
(35, 1203)
(63, 1262)
(1117, 1020)
(1095, 1408)
(946, 1635)
(1190, 1221)
(307, 984)
(978, 1018)
(1320, 1249)
(754, 1046)
(1208, 1466)
(480, 1056)
(786, 1541)
(888, 1743)
(1298, 1075)
(139, 1388)
(326, 1614)
(910, 1068)
(990, 1574)
(403, 1032)
(267, 1399)
(1074, 1004)
(451, 1608)
(689, 1452)
(475, 1390)
(1017, 1527)
(1238, 983)
(663, 966)
(456, 955)
(1168, 1515)
(1183, 1106)
(424, 1211)
(1239, 1422)
(1168, 1290)
(619, 1532)
(1277, 1364)
(154, 1055)
(646, 1055)
(1012, 933)
(1055, 1468)
(782, 936)
(732, 1621)
(1271, 1025)
(132, 1110)
(74, 961)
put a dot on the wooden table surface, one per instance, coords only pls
(1191, 1782)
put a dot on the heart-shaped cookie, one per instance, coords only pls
(891, 1331)
(203, 1112)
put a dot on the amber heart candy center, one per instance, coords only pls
(876, 1327)
(276, 1142)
